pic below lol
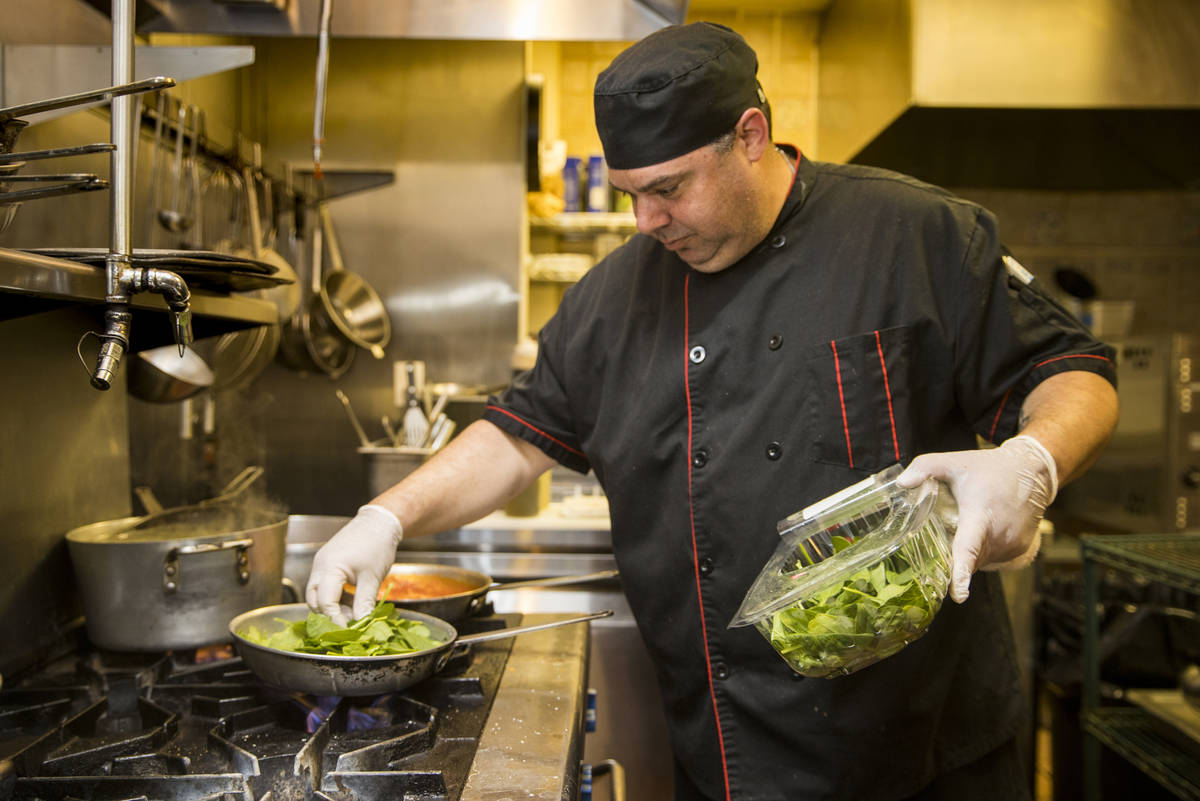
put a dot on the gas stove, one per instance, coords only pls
(199, 726)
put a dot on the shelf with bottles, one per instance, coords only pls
(586, 222)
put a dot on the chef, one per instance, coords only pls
(779, 329)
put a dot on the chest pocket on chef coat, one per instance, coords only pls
(858, 391)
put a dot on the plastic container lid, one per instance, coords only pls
(831, 540)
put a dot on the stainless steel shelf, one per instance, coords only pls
(31, 283)
(38, 71)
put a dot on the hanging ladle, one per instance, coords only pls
(174, 219)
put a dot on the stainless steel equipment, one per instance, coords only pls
(162, 375)
(175, 586)
(1048, 93)
(630, 728)
(1148, 477)
(589, 20)
(352, 304)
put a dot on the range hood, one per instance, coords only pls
(1030, 94)
(519, 20)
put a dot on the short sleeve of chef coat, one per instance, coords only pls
(1011, 335)
(536, 406)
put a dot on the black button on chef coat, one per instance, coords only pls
(905, 334)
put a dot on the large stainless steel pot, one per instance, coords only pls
(305, 536)
(330, 674)
(175, 586)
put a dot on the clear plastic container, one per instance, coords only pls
(856, 577)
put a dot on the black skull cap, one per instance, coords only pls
(674, 91)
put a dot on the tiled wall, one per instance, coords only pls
(1140, 246)
(787, 56)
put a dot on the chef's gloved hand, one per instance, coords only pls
(1001, 494)
(360, 554)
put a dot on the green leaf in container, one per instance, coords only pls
(880, 608)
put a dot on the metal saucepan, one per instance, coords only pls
(463, 604)
(328, 674)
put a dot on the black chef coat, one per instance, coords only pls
(875, 322)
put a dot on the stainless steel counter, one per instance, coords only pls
(533, 741)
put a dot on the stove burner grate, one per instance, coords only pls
(128, 727)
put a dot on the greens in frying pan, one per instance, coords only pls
(380, 633)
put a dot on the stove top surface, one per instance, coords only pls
(199, 726)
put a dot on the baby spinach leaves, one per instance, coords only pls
(379, 633)
(869, 615)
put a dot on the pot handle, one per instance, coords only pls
(446, 655)
(500, 634)
(555, 581)
(172, 567)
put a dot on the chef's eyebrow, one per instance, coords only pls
(656, 183)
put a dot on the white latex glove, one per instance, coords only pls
(1002, 494)
(360, 554)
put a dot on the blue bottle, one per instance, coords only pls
(597, 197)
(572, 201)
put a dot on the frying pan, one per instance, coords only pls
(461, 605)
(331, 674)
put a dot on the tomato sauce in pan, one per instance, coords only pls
(420, 586)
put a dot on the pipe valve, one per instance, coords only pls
(124, 281)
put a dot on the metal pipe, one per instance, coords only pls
(121, 279)
(322, 78)
(122, 128)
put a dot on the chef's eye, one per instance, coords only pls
(668, 191)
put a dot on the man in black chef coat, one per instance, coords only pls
(779, 329)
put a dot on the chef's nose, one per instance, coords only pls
(650, 215)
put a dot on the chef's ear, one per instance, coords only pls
(754, 133)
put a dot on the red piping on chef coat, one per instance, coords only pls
(887, 389)
(995, 422)
(687, 391)
(837, 366)
(1072, 356)
(538, 430)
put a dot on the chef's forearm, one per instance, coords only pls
(475, 474)
(1072, 414)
